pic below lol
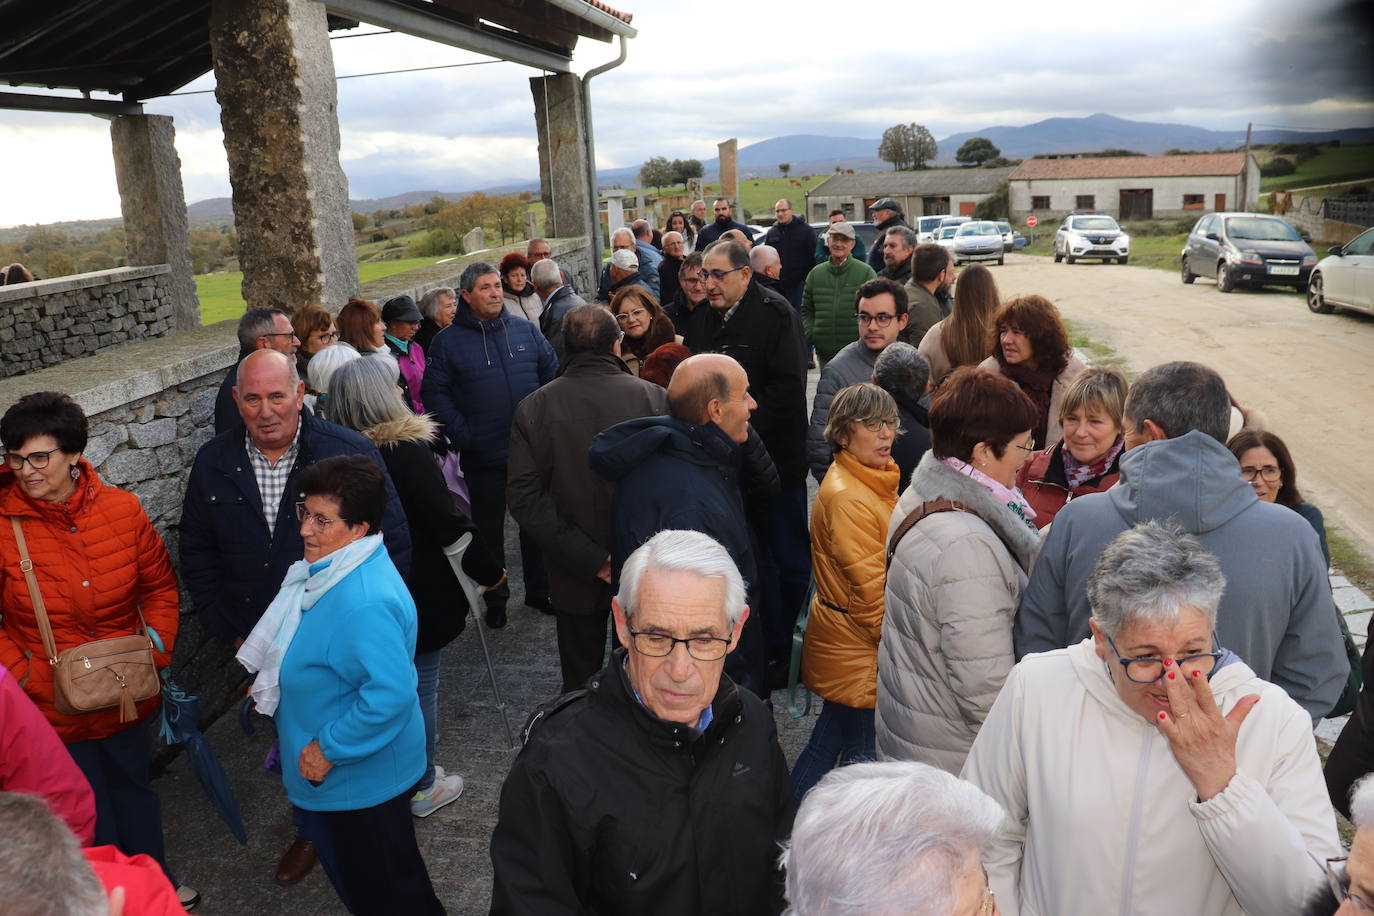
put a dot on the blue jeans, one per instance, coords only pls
(841, 735)
(427, 686)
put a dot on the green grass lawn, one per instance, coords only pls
(221, 296)
(756, 194)
(1343, 163)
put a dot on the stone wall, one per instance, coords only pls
(50, 321)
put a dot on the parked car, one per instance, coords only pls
(1091, 235)
(944, 236)
(979, 240)
(758, 231)
(1251, 248)
(953, 221)
(1008, 234)
(925, 227)
(864, 230)
(1345, 278)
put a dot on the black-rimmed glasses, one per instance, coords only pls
(1268, 473)
(876, 424)
(881, 321)
(661, 645)
(1338, 880)
(37, 460)
(719, 275)
(1149, 670)
(1028, 447)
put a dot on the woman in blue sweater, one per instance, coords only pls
(333, 656)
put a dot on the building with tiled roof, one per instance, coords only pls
(1135, 187)
(921, 192)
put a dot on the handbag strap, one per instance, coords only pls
(39, 610)
(915, 515)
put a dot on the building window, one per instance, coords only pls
(1040, 203)
(1194, 201)
(819, 211)
(848, 209)
(1085, 202)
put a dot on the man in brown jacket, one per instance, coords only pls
(927, 292)
(553, 494)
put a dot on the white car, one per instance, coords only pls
(925, 227)
(944, 236)
(979, 240)
(1091, 235)
(1345, 278)
(1008, 234)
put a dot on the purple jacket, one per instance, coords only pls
(412, 363)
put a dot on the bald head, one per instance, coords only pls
(642, 230)
(712, 388)
(739, 238)
(764, 260)
(269, 396)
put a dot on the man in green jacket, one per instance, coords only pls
(828, 300)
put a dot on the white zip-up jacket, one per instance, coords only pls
(1103, 820)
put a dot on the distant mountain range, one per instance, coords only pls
(816, 154)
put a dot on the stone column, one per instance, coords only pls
(562, 155)
(275, 84)
(615, 211)
(148, 173)
(729, 175)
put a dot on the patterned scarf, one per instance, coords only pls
(1010, 496)
(1078, 473)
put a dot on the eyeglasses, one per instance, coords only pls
(1149, 670)
(719, 275)
(1268, 473)
(279, 334)
(1028, 447)
(661, 645)
(881, 321)
(318, 521)
(876, 424)
(1338, 880)
(37, 460)
(328, 337)
(624, 317)
(692, 280)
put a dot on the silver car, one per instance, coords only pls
(980, 240)
(1345, 278)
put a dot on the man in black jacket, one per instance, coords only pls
(724, 223)
(691, 293)
(886, 213)
(259, 329)
(795, 242)
(764, 335)
(659, 788)
(552, 492)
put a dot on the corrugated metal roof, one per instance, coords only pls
(1132, 166)
(918, 183)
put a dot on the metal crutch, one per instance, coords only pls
(472, 592)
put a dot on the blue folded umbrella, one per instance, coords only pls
(180, 725)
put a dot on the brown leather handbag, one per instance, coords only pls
(101, 674)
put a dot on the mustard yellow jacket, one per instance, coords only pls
(848, 538)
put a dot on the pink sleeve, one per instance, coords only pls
(34, 760)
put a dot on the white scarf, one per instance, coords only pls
(262, 652)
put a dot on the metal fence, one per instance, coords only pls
(1357, 210)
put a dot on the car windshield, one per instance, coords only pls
(928, 223)
(978, 229)
(948, 232)
(1259, 229)
(1004, 227)
(1094, 223)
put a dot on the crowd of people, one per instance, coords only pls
(1070, 633)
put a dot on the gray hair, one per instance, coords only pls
(641, 229)
(468, 281)
(546, 274)
(255, 323)
(885, 839)
(623, 230)
(684, 551)
(908, 236)
(763, 256)
(1362, 802)
(901, 369)
(589, 329)
(737, 253)
(672, 235)
(429, 302)
(1180, 397)
(324, 363)
(855, 404)
(42, 869)
(362, 394)
(1150, 572)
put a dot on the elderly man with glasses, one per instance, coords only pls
(660, 786)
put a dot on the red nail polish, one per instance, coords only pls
(1161, 717)
(1168, 662)
(1197, 674)
(1171, 675)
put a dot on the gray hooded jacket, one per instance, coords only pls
(1277, 612)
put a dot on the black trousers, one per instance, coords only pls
(1353, 755)
(371, 858)
(487, 489)
(581, 645)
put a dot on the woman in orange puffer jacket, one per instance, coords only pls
(848, 543)
(98, 562)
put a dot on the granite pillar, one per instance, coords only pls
(558, 118)
(729, 175)
(148, 172)
(274, 77)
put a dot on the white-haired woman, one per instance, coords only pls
(1349, 888)
(365, 397)
(320, 370)
(1147, 769)
(891, 839)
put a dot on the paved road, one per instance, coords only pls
(1309, 374)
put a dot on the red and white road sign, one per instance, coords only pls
(1031, 221)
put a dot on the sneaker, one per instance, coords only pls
(445, 790)
(187, 897)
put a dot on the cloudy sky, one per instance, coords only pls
(705, 70)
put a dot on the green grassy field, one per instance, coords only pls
(756, 194)
(221, 296)
(1343, 163)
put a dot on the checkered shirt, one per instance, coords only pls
(272, 478)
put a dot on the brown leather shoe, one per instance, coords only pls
(299, 859)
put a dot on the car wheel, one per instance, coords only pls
(1123, 260)
(1070, 258)
(1187, 275)
(1057, 256)
(1224, 281)
(1001, 261)
(1316, 298)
